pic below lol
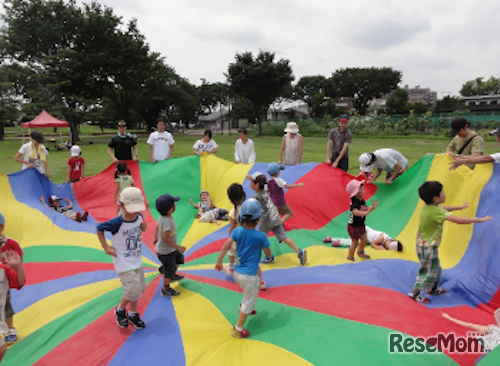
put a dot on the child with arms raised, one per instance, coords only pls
(126, 250)
(356, 225)
(270, 220)
(429, 237)
(250, 243)
(169, 253)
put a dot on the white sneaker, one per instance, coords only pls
(262, 285)
(229, 270)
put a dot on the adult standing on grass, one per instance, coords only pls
(291, 145)
(389, 160)
(33, 154)
(337, 147)
(205, 144)
(475, 159)
(161, 143)
(244, 148)
(466, 142)
(123, 143)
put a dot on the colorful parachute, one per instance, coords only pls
(328, 312)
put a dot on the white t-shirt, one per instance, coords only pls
(25, 150)
(373, 235)
(161, 142)
(388, 158)
(496, 157)
(202, 146)
(244, 153)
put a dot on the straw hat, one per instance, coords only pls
(291, 127)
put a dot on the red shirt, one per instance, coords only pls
(11, 276)
(11, 244)
(76, 167)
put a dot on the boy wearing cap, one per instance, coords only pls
(126, 250)
(7, 245)
(467, 160)
(75, 164)
(34, 155)
(169, 253)
(123, 143)
(466, 142)
(337, 147)
(275, 187)
(270, 220)
(389, 160)
(250, 243)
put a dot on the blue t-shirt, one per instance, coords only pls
(126, 239)
(249, 244)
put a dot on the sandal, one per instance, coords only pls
(363, 255)
(438, 291)
(328, 239)
(351, 259)
(420, 299)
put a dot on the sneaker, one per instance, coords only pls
(229, 270)
(419, 298)
(78, 217)
(267, 259)
(437, 291)
(136, 321)
(351, 259)
(240, 333)
(302, 256)
(121, 318)
(176, 278)
(11, 337)
(85, 216)
(160, 269)
(336, 243)
(363, 255)
(328, 239)
(169, 293)
(262, 285)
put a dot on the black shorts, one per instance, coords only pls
(170, 262)
(343, 162)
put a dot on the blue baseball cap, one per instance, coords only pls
(250, 209)
(273, 168)
(2, 219)
(165, 202)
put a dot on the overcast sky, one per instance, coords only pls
(438, 44)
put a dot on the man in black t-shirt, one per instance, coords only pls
(123, 143)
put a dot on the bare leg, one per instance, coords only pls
(241, 319)
(166, 283)
(10, 322)
(285, 217)
(133, 306)
(291, 244)
(352, 248)
(3, 349)
(362, 243)
(477, 327)
(123, 303)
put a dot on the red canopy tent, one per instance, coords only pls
(43, 120)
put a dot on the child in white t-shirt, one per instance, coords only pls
(377, 239)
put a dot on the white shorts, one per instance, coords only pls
(134, 284)
(250, 287)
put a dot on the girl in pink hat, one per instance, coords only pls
(356, 224)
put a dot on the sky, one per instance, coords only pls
(437, 44)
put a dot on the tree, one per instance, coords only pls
(322, 106)
(448, 104)
(260, 80)
(213, 95)
(397, 102)
(309, 86)
(10, 100)
(480, 87)
(361, 85)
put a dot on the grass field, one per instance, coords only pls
(94, 149)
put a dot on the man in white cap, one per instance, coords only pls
(389, 160)
(493, 158)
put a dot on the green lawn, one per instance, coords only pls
(94, 149)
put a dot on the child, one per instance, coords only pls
(237, 196)
(271, 220)
(429, 237)
(12, 275)
(75, 164)
(491, 332)
(126, 249)
(214, 215)
(7, 245)
(291, 145)
(55, 204)
(275, 187)
(378, 240)
(356, 224)
(204, 204)
(250, 242)
(123, 179)
(169, 253)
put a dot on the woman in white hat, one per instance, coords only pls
(291, 145)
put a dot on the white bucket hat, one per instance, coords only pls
(364, 162)
(291, 127)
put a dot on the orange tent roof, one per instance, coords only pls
(44, 119)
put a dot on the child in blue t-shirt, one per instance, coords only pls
(126, 250)
(250, 242)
